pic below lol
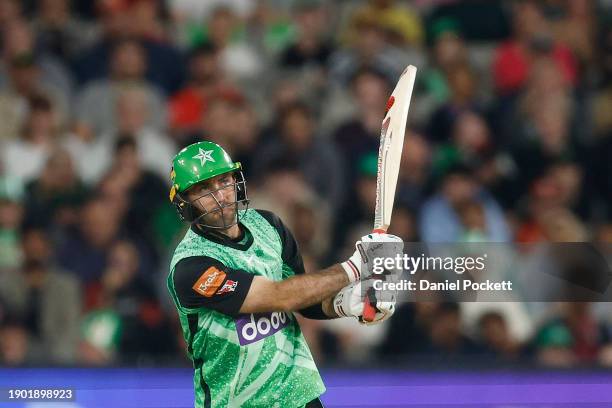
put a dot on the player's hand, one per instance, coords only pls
(360, 265)
(350, 302)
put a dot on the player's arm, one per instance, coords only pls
(296, 293)
(201, 281)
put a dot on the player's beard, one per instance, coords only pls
(221, 217)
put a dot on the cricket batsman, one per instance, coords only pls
(236, 279)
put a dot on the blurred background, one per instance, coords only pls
(510, 141)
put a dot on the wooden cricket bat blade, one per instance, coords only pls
(392, 134)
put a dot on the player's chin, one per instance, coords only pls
(229, 215)
(220, 218)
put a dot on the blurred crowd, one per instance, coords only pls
(510, 141)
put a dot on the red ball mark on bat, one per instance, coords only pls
(390, 103)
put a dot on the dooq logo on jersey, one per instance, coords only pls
(254, 327)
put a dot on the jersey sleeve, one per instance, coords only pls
(291, 254)
(201, 281)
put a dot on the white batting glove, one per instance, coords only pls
(375, 245)
(349, 302)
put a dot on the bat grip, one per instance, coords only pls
(369, 309)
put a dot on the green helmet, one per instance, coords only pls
(198, 162)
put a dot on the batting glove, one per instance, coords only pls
(349, 302)
(359, 266)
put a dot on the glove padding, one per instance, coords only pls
(359, 266)
(350, 301)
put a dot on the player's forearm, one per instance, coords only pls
(296, 292)
(328, 307)
(309, 289)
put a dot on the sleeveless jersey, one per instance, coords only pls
(255, 360)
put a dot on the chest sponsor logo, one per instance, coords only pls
(209, 282)
(254, 327)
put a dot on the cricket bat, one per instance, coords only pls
(392, 135)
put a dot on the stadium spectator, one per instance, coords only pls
(404, 224)
(84, 251)
(480, 20)
(116, 17)
(360, 134)
(462, 85)
(284, 190)
(574, 336)
(448, 50)
(197, 10)
(230, 121)
(137, 195)
(237, 58)
(206, 83)
(24, 158)
(44, 298)
(60, 33)
(98, 345)
(439, 221)
(446, 337)
(575, 26)
(355, 218)
(494, 334)
(408, 334)
(599, 188)
(532, 38)
(307, 57)
(11, 216)
(10, 10)
(307, 219)
(415, 171)
(469, 142)
(148, 21)
(32, 70)
(402, 26)
(473, 222)
(15, 347)
(96, 103)
(602, 99)
(145, 329)
(368, 46)
(54, 198)
(311, 49)
(545, 134)
(133, 118)
(316, 159)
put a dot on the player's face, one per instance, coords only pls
(216, 198)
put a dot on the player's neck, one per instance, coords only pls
(232, 232)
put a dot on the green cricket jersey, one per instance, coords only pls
(254, 360)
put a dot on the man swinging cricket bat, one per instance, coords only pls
(237, 278)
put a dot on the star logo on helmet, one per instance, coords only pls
(204, 156)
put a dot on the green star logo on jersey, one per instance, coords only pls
(204, 156)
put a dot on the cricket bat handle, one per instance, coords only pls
(369, 309)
